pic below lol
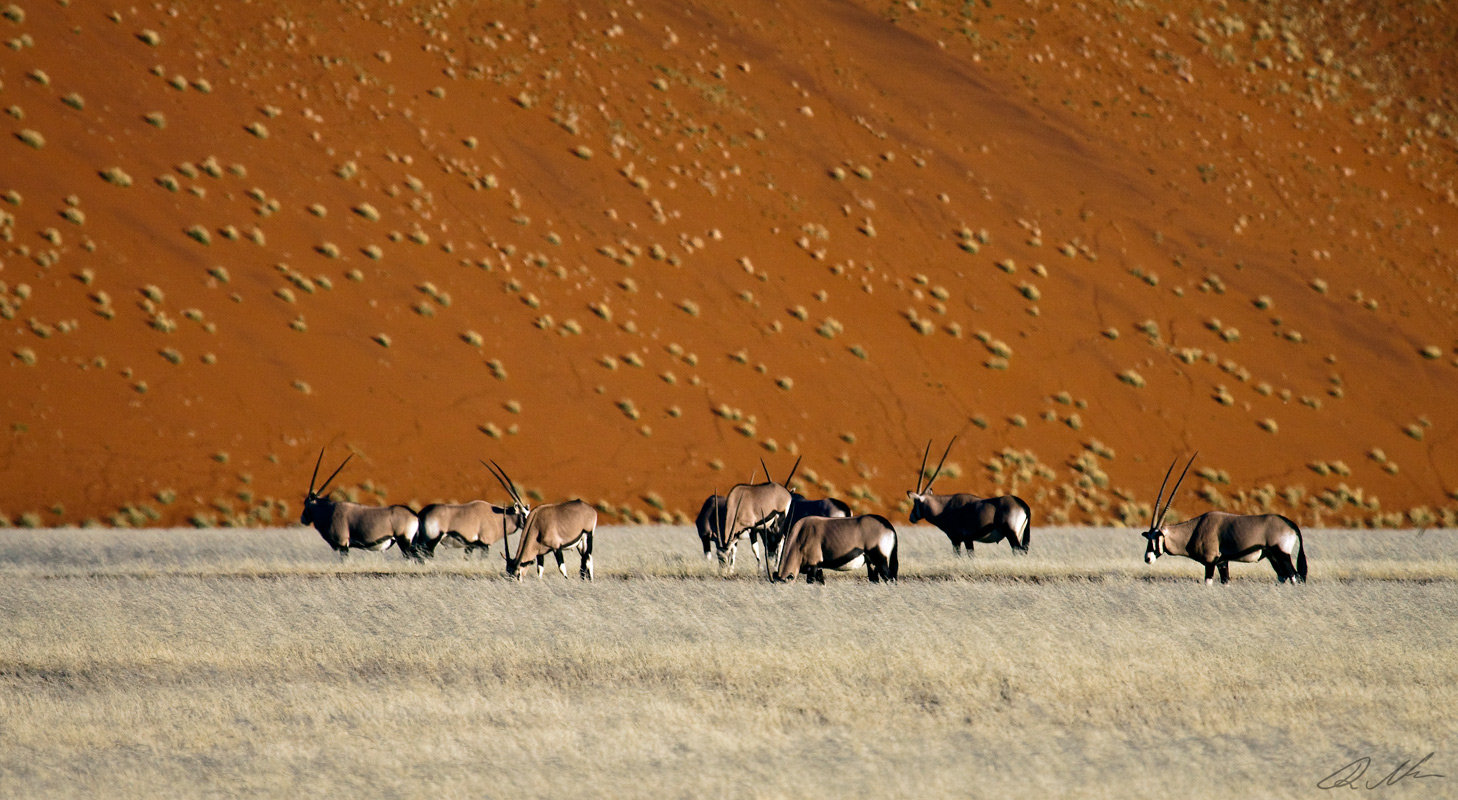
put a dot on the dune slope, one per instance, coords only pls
(629, 249)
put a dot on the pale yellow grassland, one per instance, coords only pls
(204, 663)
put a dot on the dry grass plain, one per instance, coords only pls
(205, 663)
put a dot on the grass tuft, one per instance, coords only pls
(116, 176)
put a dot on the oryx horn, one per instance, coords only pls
(786, 484)
(497, 476)
(330, 479)
(767, 477)
(921, 471)
(506, 481)
(1176, 488)
(1154, 509)
(938, 471)
(315, 476)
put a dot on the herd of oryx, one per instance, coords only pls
(789, 534)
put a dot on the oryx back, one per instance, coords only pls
(554, 528)
(816, 544)
(801, 507)
(474, 525)
(710, 521)
(346, 526)
(1216, 538)
(967, 519)
(759, 510)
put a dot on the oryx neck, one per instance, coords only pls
(1177, 537)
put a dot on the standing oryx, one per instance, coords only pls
(344, 525)
(475, 525)
(710, 521)
(816, 544)
(1216, 538)
(553, 528)
(966, 518)
(761, 510)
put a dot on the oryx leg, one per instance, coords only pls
(585, 572)
(542, 564)
(1209, 574)
(561, 565)
(1281, 562)
(1224, 567)
(406, 548)
(956, 548)
(872, 572)
(756, 544)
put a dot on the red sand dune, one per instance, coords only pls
(629, 249)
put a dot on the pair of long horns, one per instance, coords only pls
(322, 489)
(921, 473)
(506, 483)
(786, 484)
(1156, 520)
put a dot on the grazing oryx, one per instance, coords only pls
(345, 525)
(816, 544)
(553, 528)
(761, 510)
(1216, 538)
(475, 525)
(801, 507)
(967, 518)
(710, 521)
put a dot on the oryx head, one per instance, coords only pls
(919, 497)
(1155, 534)
(316, 497)
(518, 512)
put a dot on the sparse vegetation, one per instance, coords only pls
(116, 176)
(31, 138)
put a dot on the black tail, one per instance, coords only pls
(895, 561)
(1300, 559)
(1027, 525)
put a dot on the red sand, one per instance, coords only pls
(798, 167)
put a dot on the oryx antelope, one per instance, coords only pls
(345, 525)
(761, 510)
(475, 525)
(553, 528)
(710, 521)
(816, 544)
(1217, 538)
(966, 518)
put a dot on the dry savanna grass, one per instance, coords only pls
(188, 663)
